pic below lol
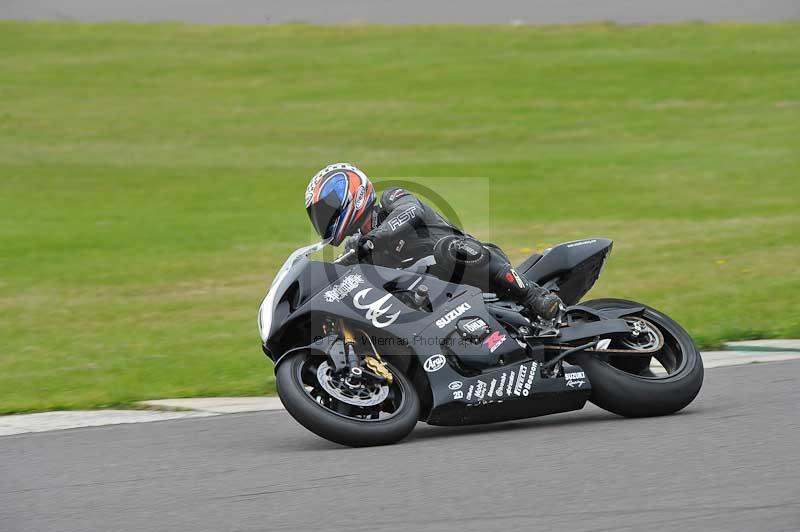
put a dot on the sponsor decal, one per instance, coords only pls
(402, 218)
(376, 309)
(469, 392)
(520, 381)
(453, 314)
(503, 378)
(467, 248)
(339, 291)
(492, 386)
(361, 195)
(526, 389)
(576, 378)
(311, 185)
(434, 363)
(581, 243)
(475, 325)
(455, 385)
(458, 394)
(494, 341)
(480, 390)
(510, 383)
(512, 277)
(397, 194)
(518, 279)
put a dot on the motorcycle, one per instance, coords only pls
(362, 352)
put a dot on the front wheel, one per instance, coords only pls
(357, 414)
(625, 385)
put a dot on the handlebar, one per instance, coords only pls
(345, 255)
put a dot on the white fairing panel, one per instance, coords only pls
(267, 308)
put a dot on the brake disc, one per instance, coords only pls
(360, 394)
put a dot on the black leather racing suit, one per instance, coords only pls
(406, 229)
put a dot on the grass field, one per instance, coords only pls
(152, 176)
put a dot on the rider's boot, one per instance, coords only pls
(536, 299)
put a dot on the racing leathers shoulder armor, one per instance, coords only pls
(406, 229)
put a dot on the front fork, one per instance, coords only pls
(373, 366)
(349, 341)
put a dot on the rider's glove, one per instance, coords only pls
(364, 247)
(351, 243)
(361, 243)
(356, 249)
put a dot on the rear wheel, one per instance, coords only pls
(628, 385)
(341, 409)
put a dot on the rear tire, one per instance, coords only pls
(627, 389)
(339, 428)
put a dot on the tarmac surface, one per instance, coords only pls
(729, 462)
(402, 12)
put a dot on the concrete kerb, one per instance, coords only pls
(739, 353)
(764, 346)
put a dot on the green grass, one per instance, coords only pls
(151, 177)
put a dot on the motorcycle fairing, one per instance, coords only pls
(571, 268)
(371, 307)
(513, 391)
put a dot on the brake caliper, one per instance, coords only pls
(379, 368)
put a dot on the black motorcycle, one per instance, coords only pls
(363, 352)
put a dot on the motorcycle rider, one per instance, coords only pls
(340, 201)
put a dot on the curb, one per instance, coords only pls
(738, 353)
(216, 405)
(780, 346)
(72, 419)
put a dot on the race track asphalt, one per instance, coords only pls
(729, 462)
(401, 12)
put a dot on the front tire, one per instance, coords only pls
(626, 387)
(333, 420)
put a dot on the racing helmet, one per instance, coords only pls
(339, 200)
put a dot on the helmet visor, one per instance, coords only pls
(324, 214)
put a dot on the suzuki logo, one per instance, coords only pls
(453, 314)
(375, 310)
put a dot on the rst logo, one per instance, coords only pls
(453, 314)
(403, 217)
